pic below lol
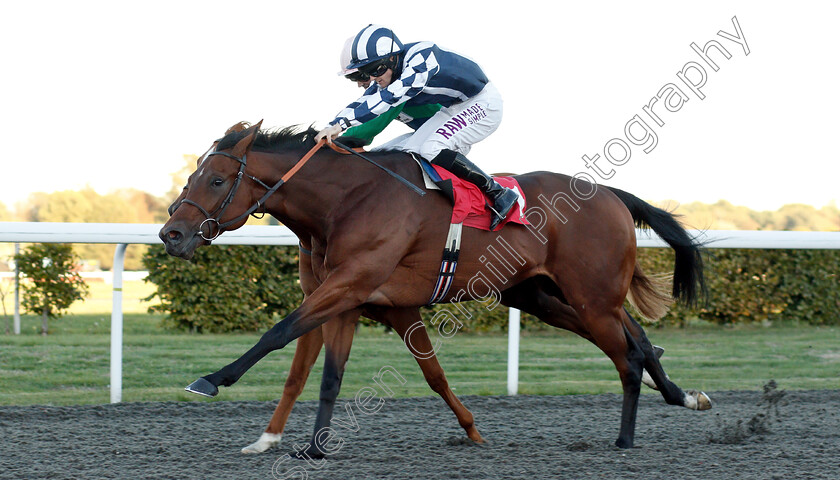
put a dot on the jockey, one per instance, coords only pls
(412, 116)
(423, 73)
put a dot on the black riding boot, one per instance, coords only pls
(503, 198)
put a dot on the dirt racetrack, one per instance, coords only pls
(747, 435)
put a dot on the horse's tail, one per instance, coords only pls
(649, 294)
(689, 284)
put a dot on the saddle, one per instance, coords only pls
(470, 205)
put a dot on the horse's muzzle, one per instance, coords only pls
(178, 243)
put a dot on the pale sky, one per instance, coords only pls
(111, 94)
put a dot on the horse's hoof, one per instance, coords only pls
(696, 400)
(310, 452)
(266, 441)
(624, 443)
(703, 401)
(658, 351)
(203, 387)
(472, 434)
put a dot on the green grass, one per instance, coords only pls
(71, 365)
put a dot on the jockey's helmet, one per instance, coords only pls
(372, 44)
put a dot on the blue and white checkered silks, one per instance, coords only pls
(372, 43)
(431, 75)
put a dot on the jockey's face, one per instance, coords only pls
(385, 79)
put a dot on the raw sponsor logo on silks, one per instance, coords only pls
(468, 116)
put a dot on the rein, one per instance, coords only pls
(405, 182)
(216, 215)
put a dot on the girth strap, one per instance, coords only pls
(448, 263)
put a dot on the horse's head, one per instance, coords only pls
(209, 204)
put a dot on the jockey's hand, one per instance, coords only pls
(328, 133)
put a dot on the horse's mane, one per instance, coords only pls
(274, 140)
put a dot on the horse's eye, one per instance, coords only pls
(217, 182)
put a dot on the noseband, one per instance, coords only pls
(216, 216)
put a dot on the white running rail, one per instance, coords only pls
(123, 234)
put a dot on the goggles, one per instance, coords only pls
(377, 68)
(357, 76)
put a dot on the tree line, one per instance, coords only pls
(722, 215)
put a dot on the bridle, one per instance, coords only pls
(216, 216)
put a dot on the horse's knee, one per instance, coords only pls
(273, 339)
(282, 333)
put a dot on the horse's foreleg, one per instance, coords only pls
(409, 325)
(306, 352)
(340, 293)
(338, 338)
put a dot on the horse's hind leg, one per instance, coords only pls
(602, 326)
(613, 338)
(646, 378)
(409, 325)
(538, 296)
(306, 352)
(672, 394)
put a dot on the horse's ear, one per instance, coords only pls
(238, 127)
(244, 145)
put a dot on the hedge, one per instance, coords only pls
(748, 286)
(225, 288)
(249, 288)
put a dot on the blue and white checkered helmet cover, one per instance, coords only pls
(372, 43)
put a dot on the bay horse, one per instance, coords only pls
(337, 339)
(337, 336)
(379, 249)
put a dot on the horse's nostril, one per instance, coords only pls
(172, 236)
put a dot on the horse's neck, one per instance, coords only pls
(310, 201)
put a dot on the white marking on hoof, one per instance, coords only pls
(697, 400)
(266, 441)
(648, 380)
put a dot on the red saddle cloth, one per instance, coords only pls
(471, 203)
